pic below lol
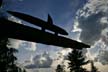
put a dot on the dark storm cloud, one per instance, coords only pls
(91, 28)
(93, 19)
(94, 30)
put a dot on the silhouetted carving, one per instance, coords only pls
(1, 1)
(49, 21)
(45, 25)
(19, 31)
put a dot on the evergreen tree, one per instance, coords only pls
(7, 57)
(59, 68)
(76, 61)
(24, 70)
(93, 68)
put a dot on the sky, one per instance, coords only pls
(84, 20)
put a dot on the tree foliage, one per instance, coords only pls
(59, 68)
(7, 57)
(76, 61)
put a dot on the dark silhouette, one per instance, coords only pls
(24, 70)
(1, 1)
(76, 61)
(45, 25)
(93, 68)
(49, 21)
(19, 31)
(7, 57)
(59, 68)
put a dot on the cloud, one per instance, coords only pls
(14, 19)
(41, 61)
(60, 58)
(92, 24)
(91, 28)
(61, 55)
(91, 20)
(99, 53)
(102, 57)
(31, 46)
(105, 36)
(14, 43)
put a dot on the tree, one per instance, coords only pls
(24, 70)
(7, 57)
(93, 68)
(76, 61)
(59, 68)
(1, 1)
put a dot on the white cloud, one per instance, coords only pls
(94, 50)
(76, 23)
(105, 36)
(61, 56)
(31, 46)
(104, 20)
(93, 6)
(12, 18)
(64, 51)
(40, 61)
(14, 43)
